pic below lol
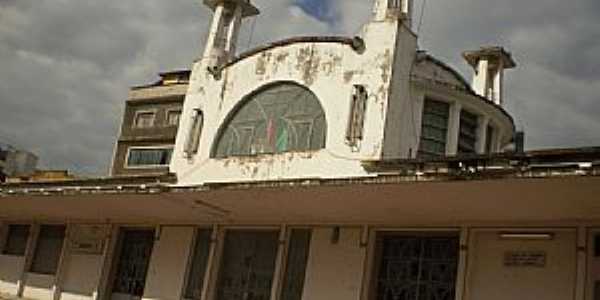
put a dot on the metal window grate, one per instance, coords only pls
(139, 157)
(467, 137)
(248, 265)
(16, 240)
(416, 267)
(48, 249)
(197, 271)
(293, 282)
(134, 259)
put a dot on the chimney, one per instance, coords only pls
(489, 64)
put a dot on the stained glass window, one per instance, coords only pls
(280, 118)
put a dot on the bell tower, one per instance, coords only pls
(225, 28)
(489, 64)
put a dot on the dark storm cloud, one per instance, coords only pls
(66, 65)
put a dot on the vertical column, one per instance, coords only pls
(582, 254)
(110, 245)
(498, 90)
(212, 266)
(480, 79)
(31, 244)
(60, 271)
(279, 263)
(482, 135)
(210, 52)
(453, 129)
(462, 264)
(232, 35)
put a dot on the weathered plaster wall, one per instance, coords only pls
(82, 276)
(166, 273)
(335, 270)
(489, 279)
(329, 70)
(11, 268)
(38, 286)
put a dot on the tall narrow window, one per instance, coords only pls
(434, 129)
(467, 137)
(197, 271)
(489, 140)
(16, 240)
(293, 282)
(48, 249)
(193, 140)
(356, 122)
(278, 118)
(248, 265)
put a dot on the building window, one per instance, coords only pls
(415, 267)
(173, 117)
(489, 140)
(48, 249)
(356, 122)
(193, 142)
(144, 119)
(16, 240)
(149, 157)
(197, 271)
(467, 137)
(434, 129)
(297, 258)
(280, 118)
(247, 265)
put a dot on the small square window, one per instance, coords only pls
(149, 157)
(173, 117)
(144, 120)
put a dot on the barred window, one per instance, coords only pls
(48, 249)
(16, 240)
(356, 122)
(434, 129)
(149, 157)
(280, 118)
(295, 271)
(144, 119)
(467, 137)
(197, 272)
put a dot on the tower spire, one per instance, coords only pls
(225, 27)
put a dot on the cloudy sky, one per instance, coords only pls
(66, 65)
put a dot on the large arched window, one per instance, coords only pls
(283, 117)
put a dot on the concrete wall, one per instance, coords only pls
(82, 276)
(335, 270)
(489, 279)
(168, 264)
(11, 268)
(39, 286)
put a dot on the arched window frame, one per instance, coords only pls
(247, 100)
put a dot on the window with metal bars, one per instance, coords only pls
(247, 265)
(413, 267)
(197, 271)
(48, 249)
(467, 137)
(16, 240)
(149, 157)
(434, 129)
(356, 121)
(297, 258)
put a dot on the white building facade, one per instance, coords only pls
(325, 168)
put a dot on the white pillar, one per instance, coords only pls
(480, 79)
(582, 254)
(453, 129)
(232, 35)
(60, 271)
(499, 85)
(462, 263)
(482, 134)
(211, 54)
(29, 252)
